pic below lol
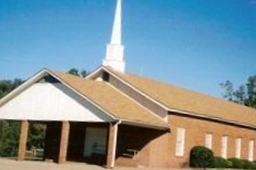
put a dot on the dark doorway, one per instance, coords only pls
(76, 142)
(52, 141)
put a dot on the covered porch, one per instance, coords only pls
(93, 143)
(82, 119)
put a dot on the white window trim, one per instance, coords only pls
(208, 140)
(238, 146)
(251, 149)
(224, 146)
(180, 141)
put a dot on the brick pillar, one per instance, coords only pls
(64, 142)
(23, 139)
(112, 140)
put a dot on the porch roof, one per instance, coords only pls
(113, 101)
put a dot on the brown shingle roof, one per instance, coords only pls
(174, 97)
(112, 100)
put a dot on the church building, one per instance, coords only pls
(114, 118)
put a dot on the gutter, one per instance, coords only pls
(139, 124)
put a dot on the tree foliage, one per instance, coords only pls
(76, 72)
(9, 130)
(7, 86)
(244, 94)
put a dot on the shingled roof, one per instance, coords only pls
(181, 99)
(113, 101)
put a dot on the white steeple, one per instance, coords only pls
(115, 50)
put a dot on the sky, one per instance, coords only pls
(195, 44)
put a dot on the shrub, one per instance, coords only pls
(253, 164)
(220, 162)
(201, 157)
(236, 163)
(247, 164)
(242, 163)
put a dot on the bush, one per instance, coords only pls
(253, 164)
(201, 157)
(247, 164)
(236, 163)
(242, 163)
(220, 162)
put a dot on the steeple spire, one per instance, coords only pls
(117, 26)
(115, 50)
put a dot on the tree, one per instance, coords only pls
(228, 90)
(36, 135)
(245, 94)
(251, 91)
(9, 130)
(84, 73)
(76, 72)
(240, 95)
(9, 138)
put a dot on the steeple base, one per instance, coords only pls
(114, 57)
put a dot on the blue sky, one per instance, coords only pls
(195, 44)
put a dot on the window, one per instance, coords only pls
(224, 146)
(238, 144)
(180, 142)
(105, 76)
(208, 140)
(251, 150)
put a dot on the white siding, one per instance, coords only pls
(180, 142)
(208, 140)
(238, 144)
(47, 101)
(251, 150)
(224, 146)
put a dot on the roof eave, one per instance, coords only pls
(145, 125)
(198, 115)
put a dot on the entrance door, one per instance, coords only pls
(95, 144)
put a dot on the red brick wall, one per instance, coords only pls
(157, 149)
(195, 135)
(150, 144)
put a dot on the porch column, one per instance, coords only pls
(64, 142)
(112, 140)
(23, 139)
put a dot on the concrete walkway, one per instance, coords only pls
(9, 164)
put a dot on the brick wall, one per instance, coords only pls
(195, 135)
(157, 148)
(150, 144)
